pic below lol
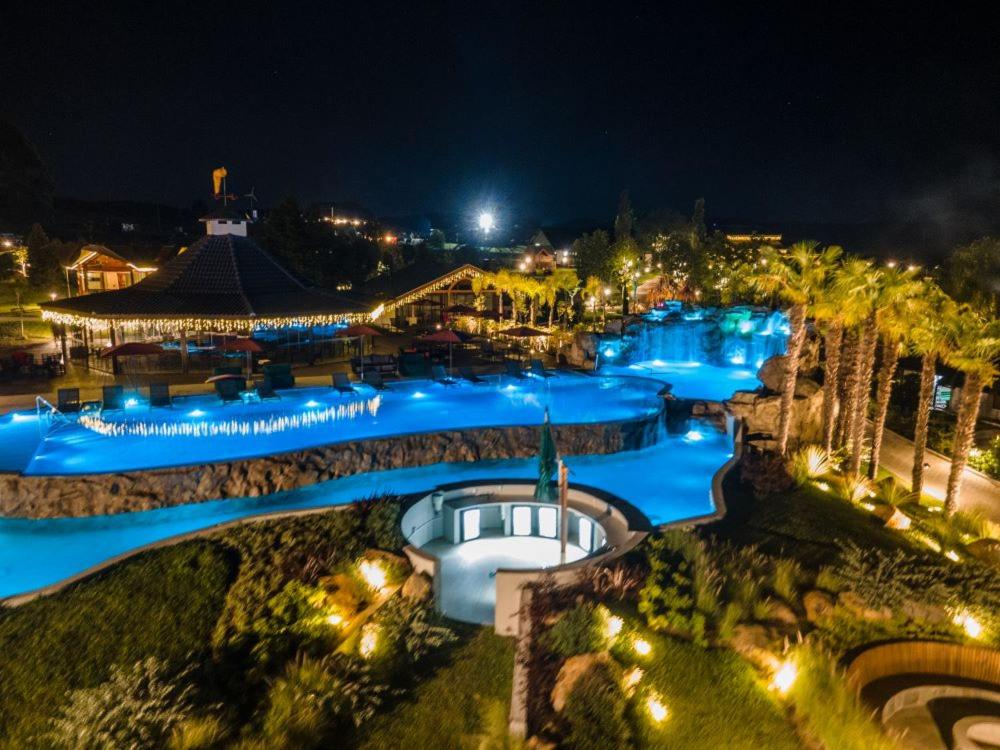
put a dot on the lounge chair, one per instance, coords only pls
(265, 390)
(438, 375)
(229, 390)
(342, 383)
(159, 395)
(538, 370)
(513, 369)
(280, 375)
(68, 400)
(228, 370)
(468, 374)
(374, 379)
(112, 397)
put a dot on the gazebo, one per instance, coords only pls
(224, 283)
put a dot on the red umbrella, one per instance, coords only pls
(523, 332)
(444, 336)
(249, 346)
(132, 348)
(224, 376)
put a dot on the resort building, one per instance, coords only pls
(99, 269)
(224, 284)
(423, 294)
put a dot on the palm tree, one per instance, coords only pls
(931, 339)
(977, 346)
(566, 281)
(796, 278)
(896, 307)
(861, 282)
(594, 289)
(500, 282)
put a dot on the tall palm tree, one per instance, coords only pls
(500, 282)
(977, 346)
(594, 289)
(561, 281)
(897, 305)
(931, 339)
(796, 278)
(860, 281)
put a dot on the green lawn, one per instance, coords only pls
(804, 523)
(714, 701)
(162, 603)
(456, 705)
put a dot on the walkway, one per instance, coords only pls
(978, 490)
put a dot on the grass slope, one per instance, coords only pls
(163, 603)
(449, 708)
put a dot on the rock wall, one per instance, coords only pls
(762, 412)
(96, 494)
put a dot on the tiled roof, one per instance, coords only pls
(219, 276)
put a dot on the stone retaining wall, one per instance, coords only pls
(96, 494)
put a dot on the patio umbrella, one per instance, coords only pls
(444, 336)
(358, 331)
(131, 349)
(546, 463)
(523, 332)
(224, 376)
(249, 346)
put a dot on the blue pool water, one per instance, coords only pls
(198, 429)
(668, 481)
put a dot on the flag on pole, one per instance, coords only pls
(546, 463)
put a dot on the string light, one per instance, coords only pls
(270, 425)
(220, 325)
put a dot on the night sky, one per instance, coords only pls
(809, 112)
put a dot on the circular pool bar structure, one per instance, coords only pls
(483, 542)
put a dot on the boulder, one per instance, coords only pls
(582, 350)
(931, 613)
(859, 608)
(761, 412)
(818, 605)
(418, 587)
(987, 550)
(537, 743)
(809, 356)
(755, 643)
(772, 373)
(778, 611)
(613, 326)
(571, 671)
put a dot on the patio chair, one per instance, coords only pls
(112, 397)
(438, 375)
(159, 395)
(512, 369)
(342, 383)
(374, 379)
(68, 400)
(280, 375)
(538, 369)
(468, 374)
(265, 390)
(227, 370)
(229, 390)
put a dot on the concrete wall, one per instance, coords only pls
(96, 494)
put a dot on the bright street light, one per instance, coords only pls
(486, 222)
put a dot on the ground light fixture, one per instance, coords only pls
(373, 573)
(614, 626)
(657, 710)
(972, 627)
(631, 678)
(642, 647)
(369, 640)
(335, 619)
(784, 677)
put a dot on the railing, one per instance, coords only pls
(52, 414)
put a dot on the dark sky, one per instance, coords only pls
(813, 111)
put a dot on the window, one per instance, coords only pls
(548, 522)
(521, 520)
(586, 531)
(470, 524)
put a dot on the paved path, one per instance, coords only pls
(978, 490)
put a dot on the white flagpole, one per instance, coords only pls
(563, 510)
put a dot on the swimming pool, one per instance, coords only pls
(198, 429)
(668, 481)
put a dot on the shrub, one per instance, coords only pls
(200, 733)
(810, 462)
(578, 631)
(830, 708)
(668, 598)
(381, 523)
(853, 489)
(415, 627)
(595, 712)
(827, 579)
(885, 579)
(891, 492)
(137, 707)
(786, 578)
(303, 705)
(292, 619)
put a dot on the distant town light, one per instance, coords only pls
(891, 263)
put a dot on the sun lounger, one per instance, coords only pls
(112, 397)
(538, 370)
(374, 379)
(68, 400)
(342, 383)
(229, 390)
(159, 394)
(468, 374)
(513, 369)
(265, 390)
(438, 375)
